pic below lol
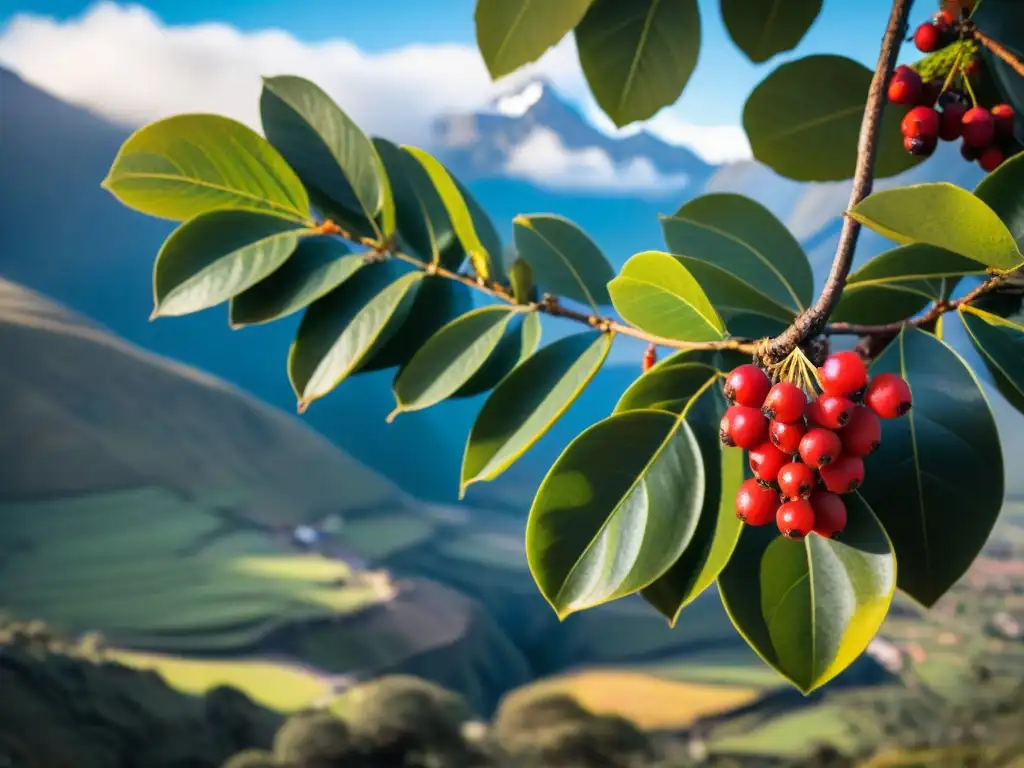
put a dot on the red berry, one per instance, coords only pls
(820, 447)
(920, 146)
(766, 460)
(844, 475)
(747, 385)
(650, 358)
(952, 121)
(905, 90)
(979, 127)
(930, 93)
(928, 38)
(969, 153)
(1003, 115)
(920, 122)
(755, 504)
(795, 518)
(944, 18)
(831, 411)
(862, 434)
(742, 426)
(785, 402)
(786, 436)
(843, 373)
(903, 71)
(796, 480)
(888, 396)
(829, 514)
(991, 159)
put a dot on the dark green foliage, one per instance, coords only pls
(61, 705)
(313, 739)
(252, 758)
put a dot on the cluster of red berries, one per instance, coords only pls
(987, 134)
(805, 454)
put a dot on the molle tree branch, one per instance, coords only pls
(549, 305)
(1000, 50)
(937, 309)
(811, 322)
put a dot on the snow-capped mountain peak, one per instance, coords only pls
(518, 103)
(532, 133)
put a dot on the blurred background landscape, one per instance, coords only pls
(162, 507)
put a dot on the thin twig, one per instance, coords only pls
(550, 306)
(937, 309)
(810, 322)
(1000, 50)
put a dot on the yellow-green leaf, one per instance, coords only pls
(324, 146)
(564, 259)
(810, 608)
(185, 165)
(616, 510)
(657, 294)
(943, 215)
(317, 267)
(341, 330)
(450, 358)
(1001, 344)
(458, 211)
(527, 403)
(218, 255)
(638, 56)
(511, 33)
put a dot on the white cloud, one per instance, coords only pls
(122, 62)
(714, 143)
(542, 158)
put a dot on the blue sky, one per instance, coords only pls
(714, 97)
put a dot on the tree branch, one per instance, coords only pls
(810, 322)
(937, 309)
(1000, 50)
(549, 305)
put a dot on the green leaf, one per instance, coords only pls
(722, 360)
(763, 28)
(1003, 192)
(742, 237)
(900, 282)
(564, 259)
(316, 267)
(185, 165)
(638, 56)
(449, 358)
(519, 342)
(807, 132)
(732, 296)
(718, 529)
(458, 211)
(943, 215)
(328, 151)
(511, 33)
(339, 331)
(217, 255)
(686, 387)
(485, 230)
(915, 481)
(527, 403)
(810, 608)
(521, 277)
(669, 386)
(422, 220)
(616, 510)
(438, 301)
(1001, 344)
(658, 295)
